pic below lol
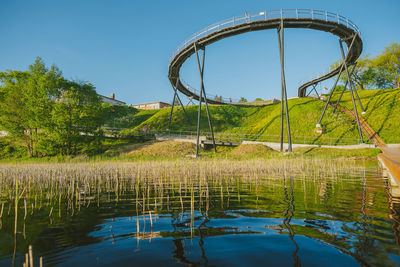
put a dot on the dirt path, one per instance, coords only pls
(390, 157)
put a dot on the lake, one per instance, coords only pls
(171, 213)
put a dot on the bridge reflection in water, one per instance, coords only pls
(351, 217)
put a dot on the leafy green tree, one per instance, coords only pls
(48, 114)
(258, 99)
(25, 102)
(76, 119)
(243, 100)
(363, 73)
(388, 67)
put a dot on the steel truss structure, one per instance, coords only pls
(340, 26)
(352, 89)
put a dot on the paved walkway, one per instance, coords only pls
(391, 160)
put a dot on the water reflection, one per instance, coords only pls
(206, 220)
(393, 199)
(289, 212)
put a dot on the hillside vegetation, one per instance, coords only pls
(382, 112)
(260, 120)
(382, 109)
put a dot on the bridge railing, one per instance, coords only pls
(212, 96)
(260, 16)
(241, 137)
(266, 15)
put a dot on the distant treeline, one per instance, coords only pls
(50, 115)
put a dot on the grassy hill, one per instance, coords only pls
(382, 106)
(382, 109)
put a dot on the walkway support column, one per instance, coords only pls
(176, 96)
(344, 89)
(351, 87)
(314, 89)
(203, 91)
(283, 90)
(355, 90)
(337, 79)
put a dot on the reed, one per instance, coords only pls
(82, 184)
(155, 187)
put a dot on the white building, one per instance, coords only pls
(111, 100)
(153, 105)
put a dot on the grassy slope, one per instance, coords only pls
(304, 114)
(382, 107)
(143, 115)
(382, 111)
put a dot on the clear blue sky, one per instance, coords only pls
(124, 46)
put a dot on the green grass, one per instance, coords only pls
(261, 120)
(382, 113)
(321, 152)
(170, 150)
(382, 109)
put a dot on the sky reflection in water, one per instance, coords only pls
(285, 221)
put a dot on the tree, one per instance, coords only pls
(388, 67)
(49, 114)
(76, 119)
(363, 73)
(242, 100)
(25, 102)
(258, 99)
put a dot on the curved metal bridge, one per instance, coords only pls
(333, 23)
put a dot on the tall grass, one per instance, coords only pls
(191, 187)
(77, 182)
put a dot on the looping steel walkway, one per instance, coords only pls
(338, 25)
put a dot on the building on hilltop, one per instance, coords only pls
(153, 105)
(111, 100)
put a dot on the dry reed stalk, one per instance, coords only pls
(151, 220)
(30, 256)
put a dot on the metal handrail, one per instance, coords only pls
(266, 15)
(240, 137)
(260, 16)
(209, 95)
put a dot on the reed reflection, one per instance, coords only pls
(341, 207)
(288, 214)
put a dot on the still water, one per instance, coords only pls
(343, 219)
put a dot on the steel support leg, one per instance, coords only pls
(173, 104)
(314, 89)
(309, 93)
(340, 97)
(337, 79)
(344, 89)
(198, 122)
(176, 96)
(358, 97)
(190, 101)
(283, 83)
(183, 107)
(351, 92)
(202, 89)
(282, 97)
